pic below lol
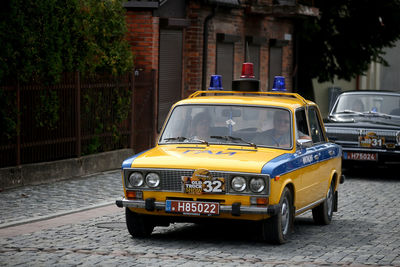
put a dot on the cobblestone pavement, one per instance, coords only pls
(38, 201)
(365, 232)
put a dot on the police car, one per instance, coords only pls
(261, 157)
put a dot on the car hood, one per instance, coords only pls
(360, 125)
(379, 121)
(221, 158)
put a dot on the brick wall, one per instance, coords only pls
(143, 36)
(233, 22)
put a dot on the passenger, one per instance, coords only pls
(279, 135)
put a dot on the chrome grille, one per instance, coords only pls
(171, 179)
(352, 134)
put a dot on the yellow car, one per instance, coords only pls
(238, 155)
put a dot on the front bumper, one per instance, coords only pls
(236, 209)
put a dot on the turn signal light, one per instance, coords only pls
(259, 200)
(134, 195)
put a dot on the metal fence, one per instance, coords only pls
(78, 116)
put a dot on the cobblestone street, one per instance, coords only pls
(365, 231)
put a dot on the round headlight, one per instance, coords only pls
(136, 179)
(152, 179)
(257, 185)
(238, 184)
(398, 138)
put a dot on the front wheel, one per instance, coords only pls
(138, 225)
(323, 213)
(277, 229)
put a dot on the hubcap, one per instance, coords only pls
(285, 216)
(330, 201)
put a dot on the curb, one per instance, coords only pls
(31, 174)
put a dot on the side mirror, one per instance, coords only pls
(304, 143)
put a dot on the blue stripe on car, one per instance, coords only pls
(127, 163)
(290, 162)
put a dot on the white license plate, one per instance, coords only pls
(360, 156)
(192, 207)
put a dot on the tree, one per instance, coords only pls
(39, 39)
(346, 37)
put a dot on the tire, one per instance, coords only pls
(322, 214)
(138, 225)
(277, 229)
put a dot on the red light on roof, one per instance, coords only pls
(247, 70)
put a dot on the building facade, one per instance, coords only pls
(185, 42)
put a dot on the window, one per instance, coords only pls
(301, 124)
(317, 135)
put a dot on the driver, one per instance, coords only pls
(201, 126)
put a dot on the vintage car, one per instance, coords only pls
(259, 157)
(367, 125)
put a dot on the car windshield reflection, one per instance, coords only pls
(376, 107)
(234, 125)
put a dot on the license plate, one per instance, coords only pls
(192, 207)
(360, 156)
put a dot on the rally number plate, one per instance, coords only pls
(360, 156)
(192, 207)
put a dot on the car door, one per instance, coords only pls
(319, 179)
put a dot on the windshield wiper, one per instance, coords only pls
(178, 138)
(348, 111)
(376, 114)
(182, 139)
(232, 138)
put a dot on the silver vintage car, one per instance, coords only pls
(366, 124)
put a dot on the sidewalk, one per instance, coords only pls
(36, 202)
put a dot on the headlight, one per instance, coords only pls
(136, 179)
(257, 185)
(238, 184)
(398, 138)
(152, 179)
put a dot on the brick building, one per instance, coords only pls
(185, 42)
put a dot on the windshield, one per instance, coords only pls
(367, 103)
(222, 124)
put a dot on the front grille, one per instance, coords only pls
(352, 134)
(171, 179)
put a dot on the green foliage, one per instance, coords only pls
(346, 37)
(8, 115)
(106, 109)
(39, 39)
(47, 111)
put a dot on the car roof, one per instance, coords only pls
(285, 100)
(385, 92)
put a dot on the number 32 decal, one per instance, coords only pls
(213, 186)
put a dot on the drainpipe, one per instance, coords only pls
(205, 47)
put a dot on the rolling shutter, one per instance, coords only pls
(170, 72)
(225, 63)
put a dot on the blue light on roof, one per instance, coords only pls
(279, 84)
(216, 83)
